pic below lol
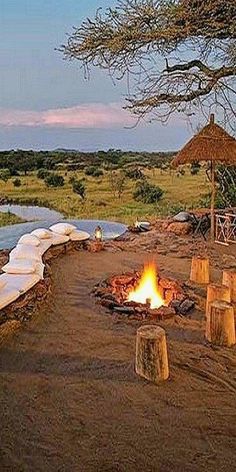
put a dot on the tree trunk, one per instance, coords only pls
(200, 270)
(229, 279)
(215, 292)
(222, 325)
(151, 353)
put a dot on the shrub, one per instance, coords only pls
(93, 171)
(135, 174)
(54, 180)
(42, 173)
(195, 167)
(5, 175)
(78, 187)
(98, 173)
(17, 183)
(147, 193)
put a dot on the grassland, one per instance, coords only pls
(9, 219)
(179, 192)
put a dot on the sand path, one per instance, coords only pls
(70, 400)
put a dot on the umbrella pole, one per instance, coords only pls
(213, 193)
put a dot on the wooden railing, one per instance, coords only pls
(225, 228)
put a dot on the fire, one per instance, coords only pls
(147, 288)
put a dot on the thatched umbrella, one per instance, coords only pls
(212, 144)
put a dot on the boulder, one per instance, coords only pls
(180, 228)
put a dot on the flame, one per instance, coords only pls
(147, 288)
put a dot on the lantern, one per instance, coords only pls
(98, 233)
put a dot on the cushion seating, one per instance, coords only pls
(78, 235)
(62, 228)
(19, 282)
(42, 233)
(20, 266)
(30, 239)
(25, 251)
(45, 244)
(59, 239)
(15, 286)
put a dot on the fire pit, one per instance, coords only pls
(144, 295)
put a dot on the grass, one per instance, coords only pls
(9, 219)
(180, 192)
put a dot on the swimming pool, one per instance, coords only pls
(9, 235)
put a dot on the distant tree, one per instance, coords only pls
(54, 180)
(195, 168)
(5, 175)
(78, 187)
(117, 182)
(135, 174)
(93, 171)
(147, 193)
(17, 182)
(42, 173)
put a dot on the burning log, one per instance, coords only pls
(151, 353)
(229, 279)
(215, 292)
(200, 270)
(222, 325)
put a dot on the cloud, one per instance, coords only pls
(90, 115)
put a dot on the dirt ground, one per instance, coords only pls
(71, 401)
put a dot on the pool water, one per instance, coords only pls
(9, 235)
(32, 213)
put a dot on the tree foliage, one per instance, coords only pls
(5, 175)
(78, 187)
(147, 193)
(179, 55)
(55, 180)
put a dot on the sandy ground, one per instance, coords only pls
(71, 401)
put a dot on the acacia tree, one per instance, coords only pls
(179, 55)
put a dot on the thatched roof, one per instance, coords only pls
(212, 143)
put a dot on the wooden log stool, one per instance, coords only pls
(215, 292)
(151, 353)
(200, 270)
(229, 279)
(222, 325)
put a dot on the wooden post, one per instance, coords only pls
(215, 292)
(200, 270)
(213, 194)
(222, 325)
(151, 353)
(213, 189)
(229, 279)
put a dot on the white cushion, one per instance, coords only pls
(78, 235)
(29, 239)
(62, 228)
(8, 295)
(45, 244)
(2, 282)
(20, 266)
(42, 233)
(59, 239)
(20, 282)
(24, 251)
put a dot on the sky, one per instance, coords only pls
(45, 102)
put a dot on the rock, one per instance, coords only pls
(186, 306)
(180, 228)
(127, 310)
(176, 305)
(182, 217)
(229, 261)
(163, 312)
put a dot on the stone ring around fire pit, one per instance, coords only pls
(119, 295)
